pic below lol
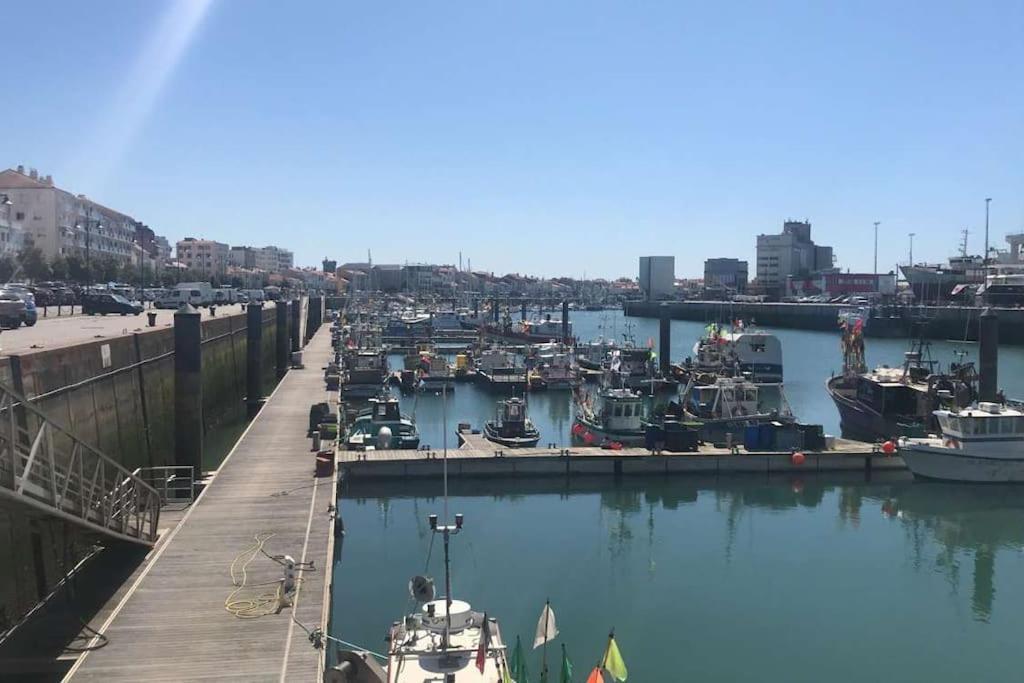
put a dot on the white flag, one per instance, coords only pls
(546, 629)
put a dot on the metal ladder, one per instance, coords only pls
(46, 467)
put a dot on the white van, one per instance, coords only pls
(195, 293)
(225, 295)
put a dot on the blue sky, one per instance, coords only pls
(536, 137)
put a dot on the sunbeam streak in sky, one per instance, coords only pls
(139, 90)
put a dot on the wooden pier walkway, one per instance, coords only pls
(172, 623)
(478, 457)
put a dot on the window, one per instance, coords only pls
(19, 215)
(617, 411)
(627, 411)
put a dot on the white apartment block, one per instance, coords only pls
(268, 259)
(203, 256)
(60, 223)
(11, 234)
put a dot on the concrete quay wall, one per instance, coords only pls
(118, 393)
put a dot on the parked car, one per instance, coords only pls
(109, 303)
(12, 310)
(29, 316)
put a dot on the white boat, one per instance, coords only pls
(753, 354)
(982, 443)
(443, 640)
(617, 417)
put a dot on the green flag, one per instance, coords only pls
(566, 676)
(518, 664)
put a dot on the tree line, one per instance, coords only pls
(30, 264)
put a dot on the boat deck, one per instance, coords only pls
(172, 623)
(476, 456)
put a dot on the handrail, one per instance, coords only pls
(46, 466)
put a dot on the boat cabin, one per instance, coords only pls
(982, 422)
(511, 412)
(622, 409)
(885, 392)
(384, 409)
(726, 399)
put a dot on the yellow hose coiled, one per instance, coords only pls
(252, 605)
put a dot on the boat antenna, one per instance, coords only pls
(447, 530)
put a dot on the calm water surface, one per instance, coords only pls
(788, 579)
(742, 579)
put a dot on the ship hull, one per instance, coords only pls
(947, 464)
(858, 422)
(599, 435)
(527, 440)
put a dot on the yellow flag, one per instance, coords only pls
(613, 663)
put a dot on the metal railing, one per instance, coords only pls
(45, 466)
(175, 483)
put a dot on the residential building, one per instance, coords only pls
(11, 234)
(268, 259)
(657, 276)
(162, 248)
(790, 253)
(60, 223)
(204, 256)
(727, 274)
(282, 258)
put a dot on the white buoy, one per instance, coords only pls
(384, 438)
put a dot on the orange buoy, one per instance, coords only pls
(889, 447)
(798, 458)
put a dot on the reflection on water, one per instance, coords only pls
(975, 521)
(724, 571)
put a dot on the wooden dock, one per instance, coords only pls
(172, 624)
(478, 457)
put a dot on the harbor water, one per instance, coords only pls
(730, 580)
(743, 578)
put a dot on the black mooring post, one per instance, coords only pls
(988, 356)
(188, 388)
(253, 358)
(296, 306)
(282, 341)
(664, 341)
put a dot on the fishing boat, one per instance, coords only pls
(753, 354)
(500, 369)
(983, 443)
(554, 368)
(729, 406)
(382, 426)
(890, 402)
(616, 417)
(366, 371)
(531, 331)
(442, 640)
(511, 427)
(427, 370)
(594, 355)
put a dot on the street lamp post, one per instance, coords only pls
(987, 201)
(88, 246)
